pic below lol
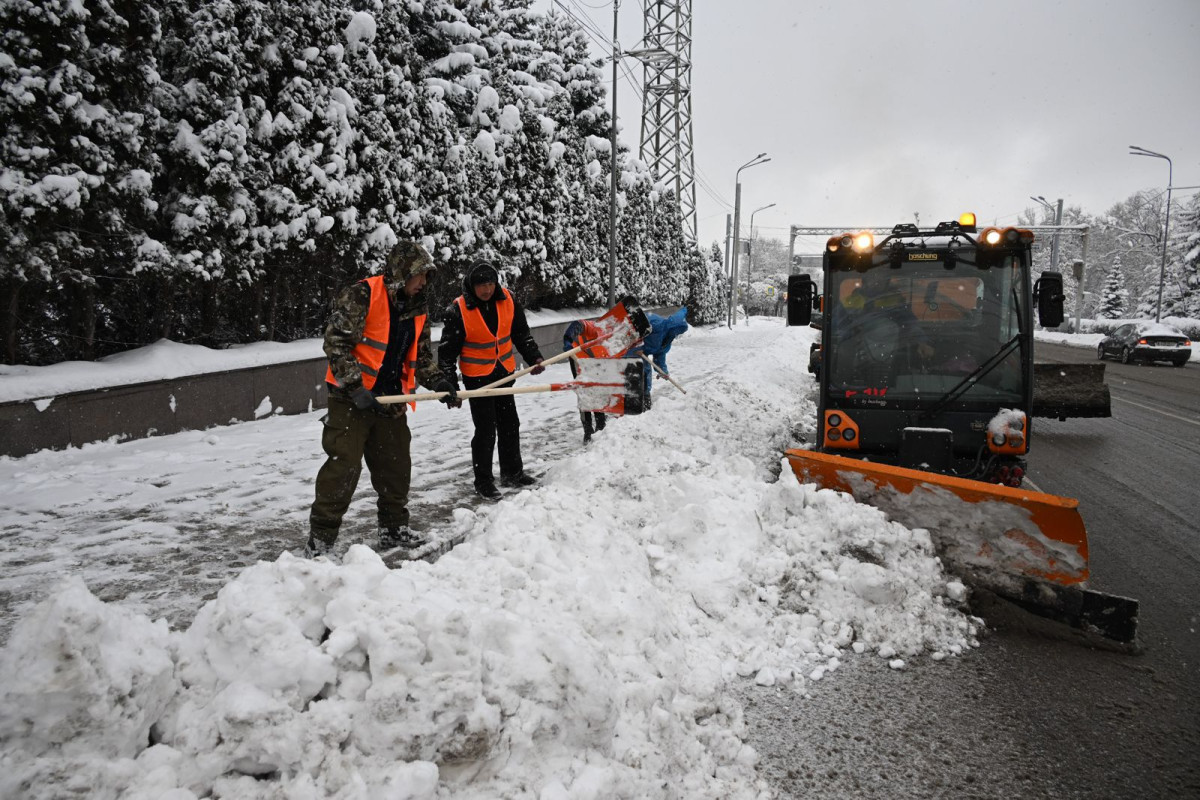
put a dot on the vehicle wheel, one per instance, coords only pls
(1100, 352)
(1126, 355)
(1179, 362)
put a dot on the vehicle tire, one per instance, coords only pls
(1100, 352)
(1179, 362)
(1126, 355)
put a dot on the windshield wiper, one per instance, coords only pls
(960, 388)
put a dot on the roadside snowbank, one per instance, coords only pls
(578, 644)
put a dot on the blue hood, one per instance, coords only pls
(676, 324)
(664, 330)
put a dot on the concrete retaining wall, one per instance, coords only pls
(196, 402)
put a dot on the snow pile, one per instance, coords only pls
(577, 645)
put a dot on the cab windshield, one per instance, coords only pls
(918, 331)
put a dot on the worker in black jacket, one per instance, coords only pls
(482, 327)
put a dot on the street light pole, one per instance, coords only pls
(1134, 150)
(750, 260)
(761, 158)
(612, 188)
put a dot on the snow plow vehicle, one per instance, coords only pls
(926, 391)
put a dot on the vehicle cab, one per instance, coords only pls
(926, 337)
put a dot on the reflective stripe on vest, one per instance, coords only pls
(482, 349)
(372, 346)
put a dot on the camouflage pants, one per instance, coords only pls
(350, 436)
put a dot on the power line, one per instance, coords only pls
(589, 27)
(707, 185)
(703, 184)
(586, 21)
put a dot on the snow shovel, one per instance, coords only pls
(621, 327)
(659, 370)
(605, 385)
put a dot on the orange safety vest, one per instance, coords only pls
(590, 331)
(370, 349)
(482, 349)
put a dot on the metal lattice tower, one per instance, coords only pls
(666, 143)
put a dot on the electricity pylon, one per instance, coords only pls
(666, 143)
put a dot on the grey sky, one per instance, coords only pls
(872, 110)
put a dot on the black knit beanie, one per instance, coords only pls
(483, 272)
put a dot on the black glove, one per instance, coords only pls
(538, 369)
(451, 389)
(365, 401)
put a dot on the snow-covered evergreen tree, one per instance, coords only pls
(1184, 267)
(707, 285)
(576, 203)
(288, 144)
(1114, 297)
(76, 86)
(213, 159)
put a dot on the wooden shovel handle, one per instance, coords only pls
(659, 370)
(545, 362)
(467, 394)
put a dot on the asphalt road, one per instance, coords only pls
(1034, 712)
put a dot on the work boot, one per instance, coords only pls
(394, 536)
(487, 491)
(519, 479)
(316, 548)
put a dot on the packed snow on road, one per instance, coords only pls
(581, 641)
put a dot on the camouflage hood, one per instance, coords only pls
(405, 260)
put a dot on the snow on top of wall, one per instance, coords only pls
(166, 359)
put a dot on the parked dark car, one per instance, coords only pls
(1146, 341)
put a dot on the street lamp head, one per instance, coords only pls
(754, 162)
(1044, 203)
(1134, 150)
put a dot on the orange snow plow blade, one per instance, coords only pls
(1026, 546)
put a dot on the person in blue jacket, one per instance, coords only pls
(657, 344)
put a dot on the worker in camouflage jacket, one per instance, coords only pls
(377, 341)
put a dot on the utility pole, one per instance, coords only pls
(735, 258)
(1057, 222)
(728, 233)
(791, 249)
(612, 189)
(761, 158)
(1054, 244)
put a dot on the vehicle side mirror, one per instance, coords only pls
(801, 294)
(1048, 294)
